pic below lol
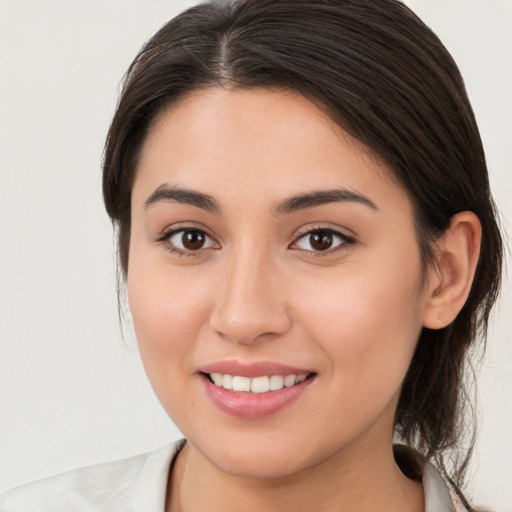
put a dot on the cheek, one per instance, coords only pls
(168, 310)
(367, 325)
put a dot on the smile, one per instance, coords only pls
(262, 384)
(255, 397)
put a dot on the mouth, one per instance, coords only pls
(260, 385)
(257, 396)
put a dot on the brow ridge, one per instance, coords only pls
(292, 204)
(320, 197)
(184, 196)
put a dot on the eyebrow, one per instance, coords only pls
(298, 202)
(184, 196)
(320, 197)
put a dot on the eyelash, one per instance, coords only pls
(165, 239)
(345, 241)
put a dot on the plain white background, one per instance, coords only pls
(72, 391)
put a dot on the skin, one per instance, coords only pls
(257, 290)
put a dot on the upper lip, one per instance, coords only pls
(254, 369)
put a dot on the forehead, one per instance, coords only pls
(270, 142)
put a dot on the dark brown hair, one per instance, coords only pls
(385, 78)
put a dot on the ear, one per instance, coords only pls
(450, 281)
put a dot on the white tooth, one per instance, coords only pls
(289, 381)
(227, 382)
(276, 382)
(300, 378)
(241, 383)
(260, 384)
(217, 378)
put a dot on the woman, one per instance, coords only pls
(310, 249)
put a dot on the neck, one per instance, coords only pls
(355, 478)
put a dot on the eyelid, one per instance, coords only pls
(347, 240)
(182, 226)
(165, 236)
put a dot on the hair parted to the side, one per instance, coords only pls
(385, 78)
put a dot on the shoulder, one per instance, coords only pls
(438, 496)
(113, 486)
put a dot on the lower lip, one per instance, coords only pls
(253, 405)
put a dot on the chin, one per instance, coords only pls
(261, 456)
(264, 465)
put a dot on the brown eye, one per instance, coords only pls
(189, 240)
(322, 240)
(193, 240)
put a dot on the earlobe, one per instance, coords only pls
(450, 282)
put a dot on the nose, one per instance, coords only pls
(250, 305)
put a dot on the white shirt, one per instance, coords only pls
(139, 484)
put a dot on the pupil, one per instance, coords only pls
(321, 241)
(193, 240)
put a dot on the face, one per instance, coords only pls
(266, 243)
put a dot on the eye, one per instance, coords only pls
(322, 240)
(188, 240)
